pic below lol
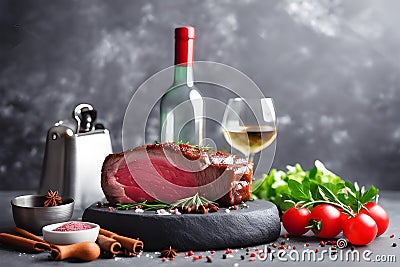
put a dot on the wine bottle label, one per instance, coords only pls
(184, 46)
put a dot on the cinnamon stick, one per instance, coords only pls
(23, 244)
(108, 244)
(27, 234)
(133, 246)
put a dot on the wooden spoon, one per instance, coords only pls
(84, 251)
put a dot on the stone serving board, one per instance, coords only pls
(257, 224)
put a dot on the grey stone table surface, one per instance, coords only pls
(380, 252)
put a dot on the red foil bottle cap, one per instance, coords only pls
(187, 32)
(184, 45)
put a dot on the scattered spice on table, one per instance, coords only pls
(394, 244)
(73, 226)
(209, 259)
(169, 253)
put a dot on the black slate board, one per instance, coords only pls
(257, 224)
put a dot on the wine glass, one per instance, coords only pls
(249, 124)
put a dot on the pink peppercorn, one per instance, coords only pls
(252, 254)
(195, 258)
(73, 226)
(163, 259)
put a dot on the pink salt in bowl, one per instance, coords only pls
(70, 232)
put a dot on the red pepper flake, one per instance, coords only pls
(234, 207)
(73, 226)
(322, 243)
(195, 258)
(274, 245)
(281, 247)
(185, 255)
(171, 259)
(163, 258)
(252, 259)
(191, 253)
(285, 236)
(333, 242)
(213, 252)
(110, 208)
(106, 203)
(294, 247)
(228, 251)
(392, 235)
(98, 204)
(200, 256)
(252, 254)
(256, 249)
(316, 250)
(307, 244)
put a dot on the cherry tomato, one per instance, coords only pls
(326, 221)
(379, 214)
(343, 216)
(360, 230)
(295, 220)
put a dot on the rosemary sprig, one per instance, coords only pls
(195, 200)
(156, 205)
(197, 147)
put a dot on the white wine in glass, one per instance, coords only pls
(249, 124)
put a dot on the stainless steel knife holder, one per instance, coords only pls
(74, 155)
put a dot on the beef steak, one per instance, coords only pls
(170, 171)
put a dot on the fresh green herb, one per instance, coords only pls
(156, 205)
(196, 201)
(308, 188)
(197, 147)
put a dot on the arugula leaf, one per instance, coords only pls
(298, 192)
(318, 185)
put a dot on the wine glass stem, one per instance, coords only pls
(251, 157)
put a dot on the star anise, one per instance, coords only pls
(169, 253)
(52, 199)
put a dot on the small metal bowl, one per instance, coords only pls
(29, 213)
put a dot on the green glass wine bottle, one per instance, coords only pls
(182, 106)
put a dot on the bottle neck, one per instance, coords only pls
(184, 54)
(183, 75)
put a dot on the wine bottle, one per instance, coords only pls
(182, 106)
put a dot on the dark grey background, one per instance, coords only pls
(332, 67)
